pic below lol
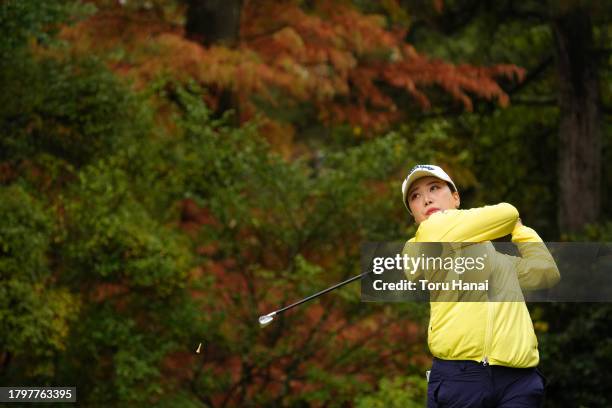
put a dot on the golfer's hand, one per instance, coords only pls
(518, 223)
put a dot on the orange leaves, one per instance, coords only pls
(334, 57)
(346, 58)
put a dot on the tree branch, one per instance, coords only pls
(535, 101)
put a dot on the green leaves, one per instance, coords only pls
(23, 20)
(34, 314)
(25, 230)
(75, 110)
(135, 226)
(397, 392)
(112, 236)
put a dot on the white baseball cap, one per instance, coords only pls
(420, 171)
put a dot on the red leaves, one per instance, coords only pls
(334, 57)
(345, 56)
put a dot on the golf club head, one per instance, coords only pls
(266, 319)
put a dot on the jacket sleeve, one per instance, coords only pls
(536, 267)
(473, 225)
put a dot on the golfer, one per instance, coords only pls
(485, 353)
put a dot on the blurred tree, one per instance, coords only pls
(283, 232)
(548, 108)
(580, 126)
(154, 226)
(94, 287)
(35, 314)
(345, 66)
(213, 22)
(515, 154)
(400, 392)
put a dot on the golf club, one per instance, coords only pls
(267, 319)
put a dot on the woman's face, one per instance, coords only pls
(428, 195)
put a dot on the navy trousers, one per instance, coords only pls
(468, 384)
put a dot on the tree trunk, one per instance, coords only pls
(580, 124)
(213, 21)
(216, 22)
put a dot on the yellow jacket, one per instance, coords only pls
(498, 333)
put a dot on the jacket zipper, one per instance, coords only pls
(488, 333)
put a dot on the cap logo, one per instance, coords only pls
(422, 166)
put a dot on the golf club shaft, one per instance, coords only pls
(336, 286)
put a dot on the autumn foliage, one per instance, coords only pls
(347, 64)
(163, 225)
(138, 219)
